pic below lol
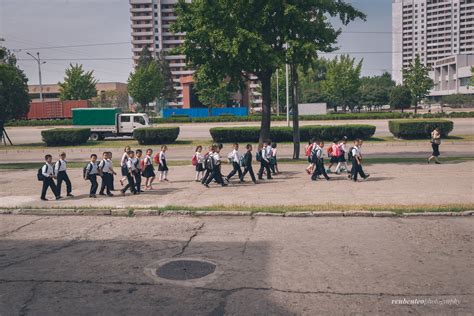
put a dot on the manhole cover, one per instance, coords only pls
(185, 270)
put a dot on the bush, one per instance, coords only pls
(66, 136)
(417, 128)
(285, 134)
(156, 135)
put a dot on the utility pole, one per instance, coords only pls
(278, 99)
(287, 98)
(38, 60)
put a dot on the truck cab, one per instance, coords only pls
(128, 122)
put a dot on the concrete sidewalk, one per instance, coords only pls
(263, 266)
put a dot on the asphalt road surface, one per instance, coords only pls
(273, 266)
(27, 135)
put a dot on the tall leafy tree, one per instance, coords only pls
(400, 98)
(78, 84)
(342, 82)
(231, 39)
(14, 98)
(375, 91)
(168, 92)
(145, 84)
(416, 78)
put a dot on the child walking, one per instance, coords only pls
(138, 163)
(308, 152)
(198, 162)
(273, 160)
(342, 164)
(148, 171)
(247, 164)
(234, 158)
(130, 174)
(333, 152)
(60, 170)
(317, 159)
(92, 170)
(106, 170)
(162, 166)
(216, 167)
(208, 163)
(357, 162)
(112, 178)
(47, 176)
(264, 162)
(123, 164)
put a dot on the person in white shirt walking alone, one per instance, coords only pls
(357, 162)
(60, 170)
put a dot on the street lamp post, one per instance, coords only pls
(278, 98)
(287, 98)
(38, 60)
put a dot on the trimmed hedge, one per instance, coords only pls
(285, 134)
(156, 135)
(418, 129)
(39, 122)
(66, 136)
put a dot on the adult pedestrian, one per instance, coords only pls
(435, 142)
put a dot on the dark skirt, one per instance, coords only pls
(124, 170)
(334, 159)
(342, 157)
(200, 167)
(435, 150)
(148, 172)
(163, 166)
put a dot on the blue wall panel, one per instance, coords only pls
(204, 112)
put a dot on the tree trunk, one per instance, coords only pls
(265, 79)
(295, 112)
(416, 105)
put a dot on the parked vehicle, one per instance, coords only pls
(54, 109)
(108, 122)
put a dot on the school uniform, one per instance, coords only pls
(162, 166)
(216, 170)
(132, 169)
(60, 170)
(264, 164)
(235, 159)
(343, 149)
(208, 168)
(247, 160)
(334, 159)
(435, 142)
(112, 178)
(123, 164)
(273, 160)
(317, 159)
(137, 174)
(200, 162)
(356, 167)
(92, 170)
(105, 167)
(148, 164)
(48, 182)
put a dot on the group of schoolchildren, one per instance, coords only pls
(208, 165)
(133, 168)
(337, 154)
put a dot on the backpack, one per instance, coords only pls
(336, 150)
(242, 160)
(85, 171)
(209, 162)
(349, 154)
(309, 149)
(258, 156)
(194, 160)
(330, 152)
(40, 175)
(156, 158)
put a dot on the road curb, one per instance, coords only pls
(121, 212)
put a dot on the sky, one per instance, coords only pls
(43, 25)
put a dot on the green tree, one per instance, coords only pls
(458, 100)
(342, 82)
(416, 78)
(145, 57)
(310, 82)
(168, 92)
(231, 39)
(145, 84)
(472, 76)
(78, 84)
(400, 98)
(211, 93)
(375, 91)
(14, 98)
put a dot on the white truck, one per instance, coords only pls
(108, 122)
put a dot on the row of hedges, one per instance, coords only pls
(39, 123)
(285, 134)
(156, 136)
(66, 136)
(413, 129)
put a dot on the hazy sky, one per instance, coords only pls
(32, 25)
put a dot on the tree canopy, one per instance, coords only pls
(78, 84)
(416, 78)
(342, 82)
(375, 91)
(400, 98)
(14, 97)
(232, 39)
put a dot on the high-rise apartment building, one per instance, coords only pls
(151, 21)
(433, 29)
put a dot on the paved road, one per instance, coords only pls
(26, 135)
(273, 266)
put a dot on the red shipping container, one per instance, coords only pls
(54, 109)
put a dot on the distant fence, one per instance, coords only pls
(204, 112)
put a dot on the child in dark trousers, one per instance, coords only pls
(216, 168)
(47, 173)
(130, 174)
(91, 175)
(206, 166)
(60, 170)
(357, 162)
(247, 164)
(234, 156)
(317, 159)
(264, 162)
(106, 171)
(138, 166)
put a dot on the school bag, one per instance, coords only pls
(40, 175)
(156, 158)
(242, 160)
(86, 170)
(309, 149)
(258, 156)
(208, 162)
(330, 151)
(194, 160)
(349, 154)
(336, 150)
